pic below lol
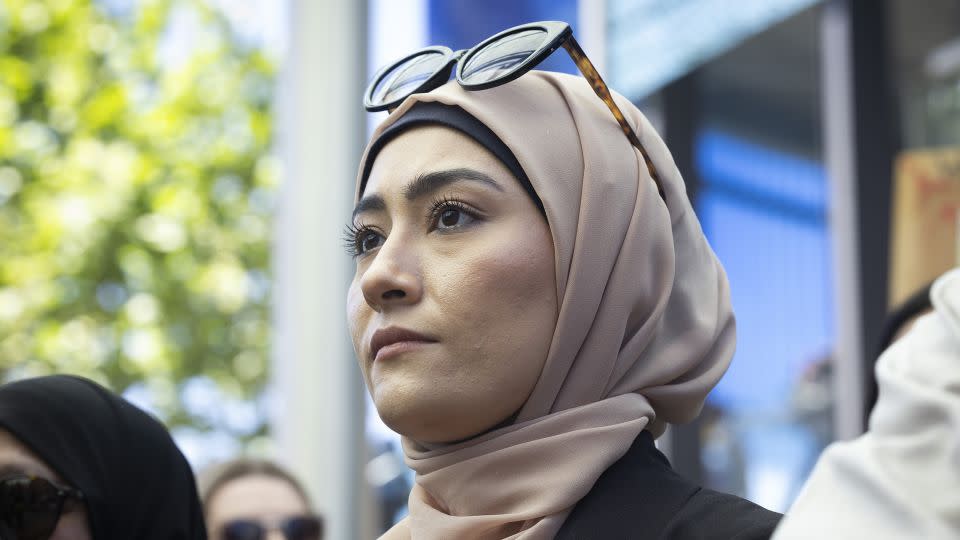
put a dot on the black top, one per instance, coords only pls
(640, 497)
(136, 483)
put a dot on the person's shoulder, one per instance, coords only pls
(709, 515)
(641, 497)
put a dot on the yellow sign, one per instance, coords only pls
(926, 221)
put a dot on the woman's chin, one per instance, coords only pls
(430, 423)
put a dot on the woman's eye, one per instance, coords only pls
(369, 240)
(451, 217)
(358, 239)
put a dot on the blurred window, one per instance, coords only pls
(762, 201)
(925, 49)
(653, 42)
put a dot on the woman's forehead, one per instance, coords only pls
(426, 149)
(17, 458)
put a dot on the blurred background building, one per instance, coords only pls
(174, 175)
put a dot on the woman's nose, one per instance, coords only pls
(393, 277)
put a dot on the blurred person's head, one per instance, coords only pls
(51, 509)
(79, 462)
(901, 319)
(254, 499)
(897, 323)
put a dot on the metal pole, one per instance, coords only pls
(839, 138)
(592, 30)
(318, 418)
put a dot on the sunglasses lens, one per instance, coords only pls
(29, 508)
(500, 57)
(242, 530)
(407, 76)
(303, 528)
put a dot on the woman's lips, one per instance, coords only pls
(395, 349)
(394, 340)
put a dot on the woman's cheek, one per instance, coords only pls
(499, 285)
(355, 303)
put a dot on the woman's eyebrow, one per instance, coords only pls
(427, 183)
(369, 203)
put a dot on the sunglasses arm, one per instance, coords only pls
(590, 72)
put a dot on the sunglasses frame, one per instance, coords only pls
(435, 80)
(281, 525)
(559, 34)
(62, 493)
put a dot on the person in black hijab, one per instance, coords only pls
(77, 461)
(898, 321)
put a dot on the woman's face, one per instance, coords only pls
(454, 301)
(17, 459)
(259, 498)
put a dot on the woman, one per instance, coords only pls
(78, 462)
(245, 499)
(530, 309)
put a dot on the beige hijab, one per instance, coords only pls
(645, 328)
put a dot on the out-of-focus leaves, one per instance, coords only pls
(136, 189)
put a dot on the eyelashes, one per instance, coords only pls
(441, 206)
(354, 235)
(445, 214)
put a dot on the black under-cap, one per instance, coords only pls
(454, 117)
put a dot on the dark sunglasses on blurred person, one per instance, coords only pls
(293, 528)
(30, 507)
(497, 60)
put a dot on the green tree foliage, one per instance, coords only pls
(136, 188)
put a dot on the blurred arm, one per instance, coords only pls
(902, 478)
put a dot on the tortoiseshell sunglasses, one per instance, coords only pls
(496, 60)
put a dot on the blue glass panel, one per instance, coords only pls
(653, 42)
(764, 214)
(789, 185)
(779, 271)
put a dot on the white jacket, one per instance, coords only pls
(902, 478)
